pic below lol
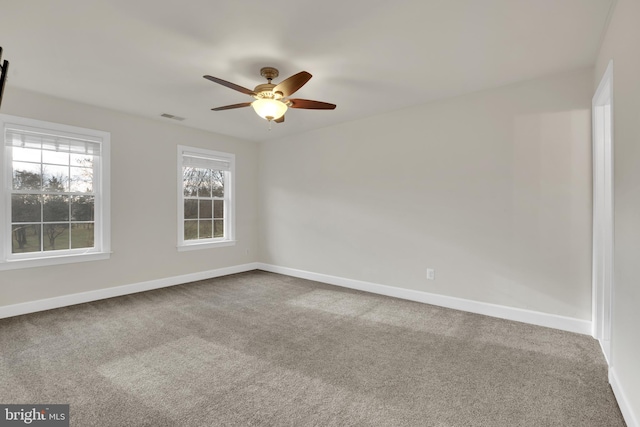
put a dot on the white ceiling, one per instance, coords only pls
(147, 57)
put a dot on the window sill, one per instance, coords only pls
(53, 260)
(207, 245)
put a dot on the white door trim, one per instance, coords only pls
(602, 269)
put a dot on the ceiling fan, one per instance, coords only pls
(272, 100)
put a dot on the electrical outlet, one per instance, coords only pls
(431, 274)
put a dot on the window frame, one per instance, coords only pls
(229, 201)
(101, 188)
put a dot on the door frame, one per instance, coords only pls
(603, 208)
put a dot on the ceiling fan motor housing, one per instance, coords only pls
(265, 91)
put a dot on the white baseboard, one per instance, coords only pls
(79, 298)
(511, 313)
(494, 310)
(626, 409)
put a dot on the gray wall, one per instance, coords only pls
(143, 202)
(492, 189)
(621, 44)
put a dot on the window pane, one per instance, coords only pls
(25, 238)
(205, 229)
(55, 157)
(82, 235)
(190, 230)
(25, 208)
(56, 208)
(25, 155)
(81, 180)
(190, 182)
(55, 178)
(218, 208)
(218, 225)
(82, 208)
(56, 237)
(205, 208)
(204, 183)
(26, 176)
(218, 183)
(191, 209)
(82, 160)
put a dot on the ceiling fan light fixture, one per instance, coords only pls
(269, 109)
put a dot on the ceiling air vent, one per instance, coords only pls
(171, 116)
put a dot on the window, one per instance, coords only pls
(56, 192)
(205, 198)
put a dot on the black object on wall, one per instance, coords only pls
(4, 70)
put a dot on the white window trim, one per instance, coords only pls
(102, 248)
(230, 223)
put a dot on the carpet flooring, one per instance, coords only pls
(262, 349)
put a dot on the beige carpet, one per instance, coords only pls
(261, 349)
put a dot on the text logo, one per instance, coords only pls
(34, 415)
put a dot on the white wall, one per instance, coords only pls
(143, 203)
(621, 44)
(493, 190)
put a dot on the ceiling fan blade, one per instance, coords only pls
(289, 86)
(280, 120)
(230, 107)
(230, 85)
(311, 105)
